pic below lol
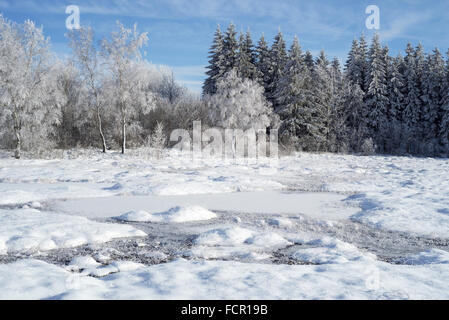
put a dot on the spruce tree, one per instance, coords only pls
(216, 61)
(263, 64)
(245, 64)
(376, 99)
(278, 60)
(230, 49)
(297, 104)
(433, 89)
(413, 103)
(395, 87)
(444, 124)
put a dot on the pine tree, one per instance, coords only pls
(308, 61)
(324, 97)
(353, 106)
(263, 63)
(395, 87)
(230, 49)
(338, 140)
(216, 60)
(376, 100)
(297, 104)
(433, 87)
(353, 71)
(246, 60)
(363, 62)
(278, 60)
(444, 125)
(413, 103)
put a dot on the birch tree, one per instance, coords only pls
(88, 59)
(122, 51)
(24, 76)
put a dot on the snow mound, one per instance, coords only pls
(236, 242)
(80, 263)
(280, 222)
(225, 236)
(268, 239)
(330, 251)
(433, 256)
(32, 230)
(176, 214)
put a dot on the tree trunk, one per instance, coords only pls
(100, 129)
(123, 136)
(17, 134)
(18, 145)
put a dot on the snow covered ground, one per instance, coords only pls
(306, 226)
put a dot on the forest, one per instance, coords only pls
(107, 95)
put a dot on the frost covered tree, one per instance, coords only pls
(30, 109)
(354, 111)
(433, 91)
(413, 103)
(376, 100)
(325, 98)
(278, 61)
(444, 124)
(158, 139)
(87, 57)
(216, 63)
(263, 63)
(69, 85)
(239, 104)
(395, 88)
(356, 68)
(230, 49)
(122, 54)
(246, 58)
(169, 89)
(338, 136)
(297, 107)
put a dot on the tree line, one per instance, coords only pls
(106, 95)
(374, 103)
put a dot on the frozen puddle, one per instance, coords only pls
(319, 205)
(256, 227)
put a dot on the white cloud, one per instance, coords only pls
(402, 25)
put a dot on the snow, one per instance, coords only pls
(330, 251)
(433, 256)
(31, 279)
(236, 242)
(394, 193)
(224, 236)
(33, 230)
(249, 229)
(176, 214)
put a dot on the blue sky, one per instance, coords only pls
(181, 31)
